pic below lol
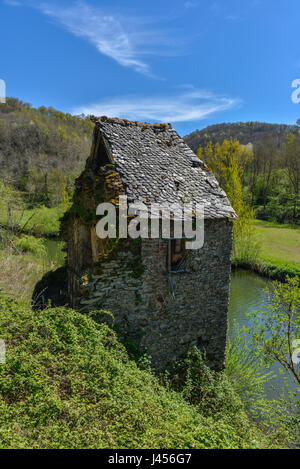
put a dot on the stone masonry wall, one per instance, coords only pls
(143, 305)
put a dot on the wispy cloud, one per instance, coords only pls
(127, 40)
(191, 4)
(189, 105)
(104, 31)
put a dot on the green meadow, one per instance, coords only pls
(279, 245)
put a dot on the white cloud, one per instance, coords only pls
(191, 4)
(126, 40)
(104, 31)
(189, 105)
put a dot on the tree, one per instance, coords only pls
(276, 333)
(266, 153)
(276, 339)
(291, 157)
(228, 162)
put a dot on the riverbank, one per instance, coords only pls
(279, 252)
(39, 221)
(53, 236)
(267, 270)
(21, 270)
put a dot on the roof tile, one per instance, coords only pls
(156, 165)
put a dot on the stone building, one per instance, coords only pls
(165, 297)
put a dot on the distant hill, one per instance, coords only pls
(42, 150)
(245, 132)
(43, 140)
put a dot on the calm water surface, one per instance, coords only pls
(250, 292)
(54, 251)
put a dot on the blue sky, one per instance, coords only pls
(192, 63)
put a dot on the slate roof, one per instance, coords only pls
(156, 165)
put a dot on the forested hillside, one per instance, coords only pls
(245, 132)
(41, 150)
(271, 179)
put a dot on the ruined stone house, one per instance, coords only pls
(164, 296)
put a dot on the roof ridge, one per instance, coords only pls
(126, 122)
(157, 165)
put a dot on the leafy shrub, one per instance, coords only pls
(31, 244)
(246, 247)
(20, 272)
(68, 383)
(209, 391)
(243, 369)
(42, 220)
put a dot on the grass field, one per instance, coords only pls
(279, 244)
(40, 221)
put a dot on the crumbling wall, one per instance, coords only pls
(168, 313)
(98, 183)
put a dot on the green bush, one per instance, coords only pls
(31, 244)
(209, 391)
(68, 383)
(43, 220)
(243, 369)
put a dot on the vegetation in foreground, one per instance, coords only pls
(68, 383)
(276, 330)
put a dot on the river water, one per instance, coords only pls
(54, 251)
(248, 293)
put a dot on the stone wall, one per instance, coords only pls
(143, 305)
